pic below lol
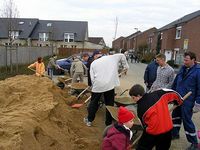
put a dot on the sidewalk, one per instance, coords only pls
(135, 75)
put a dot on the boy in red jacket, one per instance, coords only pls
(119, 136)
(152, 109)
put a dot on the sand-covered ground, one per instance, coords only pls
(34, 116)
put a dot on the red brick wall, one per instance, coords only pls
(117, 44)
(168, 37)
(190, 31)
(144, 37)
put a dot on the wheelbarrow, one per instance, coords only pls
(122, 100)
(79, 89)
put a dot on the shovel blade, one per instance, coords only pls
(77, 105)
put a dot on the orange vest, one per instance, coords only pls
(39, 68)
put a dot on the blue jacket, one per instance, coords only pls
(150, 73)
(191, 82)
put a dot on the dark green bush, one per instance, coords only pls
(148, 57)
(172, 63)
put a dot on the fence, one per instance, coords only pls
(70, 51)
(22, 55)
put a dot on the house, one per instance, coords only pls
(129, 43)
(118, 43)
(96, 42)
(46, 33)
(19, 30)
(146, 40)
(181, 35)
(135, 41)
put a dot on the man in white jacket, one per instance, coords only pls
(104, 76)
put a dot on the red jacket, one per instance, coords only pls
(153, 110)
(117, 138)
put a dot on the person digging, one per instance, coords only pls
(152, 110)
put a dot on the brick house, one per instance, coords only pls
(118, 43)
(137, 39)
(47, 33)
(181, 35)
(147, 39)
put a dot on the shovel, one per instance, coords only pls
(79, 105)
(43, 75)
(184, 98)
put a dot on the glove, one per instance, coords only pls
(196, 108)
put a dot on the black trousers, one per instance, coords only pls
(161, 141)
(94, 105)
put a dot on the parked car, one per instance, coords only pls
(66, 63)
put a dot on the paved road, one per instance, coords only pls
(135, 75)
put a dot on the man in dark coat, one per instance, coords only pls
(150, 74)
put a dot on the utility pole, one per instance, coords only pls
(116, 25)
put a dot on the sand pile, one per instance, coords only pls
(34, 116)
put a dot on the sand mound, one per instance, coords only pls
(34, 116)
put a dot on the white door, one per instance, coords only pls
(168, 55)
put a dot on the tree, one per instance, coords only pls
(10, 12)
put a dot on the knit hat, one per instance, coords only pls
(96, 52)
(124, 115)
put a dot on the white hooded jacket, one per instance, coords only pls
(104, 72)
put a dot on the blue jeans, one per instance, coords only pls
(50, 72)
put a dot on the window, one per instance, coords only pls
(43, 37)
(150, 40)
(161, 35)
(14, 34)
(49, 24)
(68, 37)
(178, 32)
(6, 44)
(21, 22)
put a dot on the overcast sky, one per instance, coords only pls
(101, 14)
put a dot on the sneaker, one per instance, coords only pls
(88, 123)
(175, 137)
(193, 147)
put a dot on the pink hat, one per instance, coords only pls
(124, 115)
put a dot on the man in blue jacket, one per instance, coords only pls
(188, 79)
(150, 74)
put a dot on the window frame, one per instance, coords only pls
(14, 34)
(178, 32)
(68, 37)
(43, 36)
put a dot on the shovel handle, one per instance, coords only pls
(184, 98)
(87, 99)
(82, 92)
(32, 69)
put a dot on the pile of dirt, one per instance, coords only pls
(34, 116)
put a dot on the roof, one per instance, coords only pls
(32, 27)
(96, 40)
(183, 19)
(79, 28)
(24, 25)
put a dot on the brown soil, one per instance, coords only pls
(34, 116)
